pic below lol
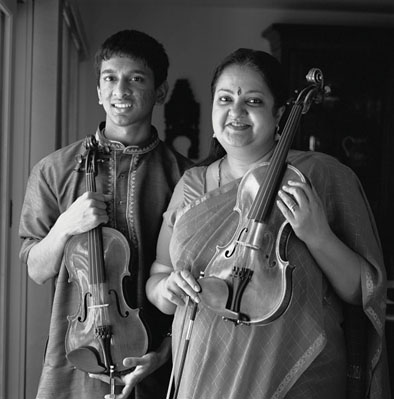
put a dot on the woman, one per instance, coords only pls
(303, 352)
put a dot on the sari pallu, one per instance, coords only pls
(228, 361)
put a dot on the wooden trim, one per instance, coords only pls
(5, 210)
(73, 20)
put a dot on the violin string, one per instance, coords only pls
(286, 138)
(93, 261)
(263, 195)
(91, 256)
(284, 143)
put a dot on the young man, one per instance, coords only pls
(136, 176)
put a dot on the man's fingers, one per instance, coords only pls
(101, 377)
(134, 361)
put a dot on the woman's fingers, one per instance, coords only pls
(181, 284)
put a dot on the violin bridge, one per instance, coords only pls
(104, 305)
(249, 245)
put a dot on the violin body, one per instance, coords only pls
(255, 257)
(128, 335)
(249, 280)
(104, 330)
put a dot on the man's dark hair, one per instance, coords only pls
(138, 45)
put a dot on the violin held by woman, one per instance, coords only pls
(332, 247)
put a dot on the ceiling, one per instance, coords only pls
(378, 6)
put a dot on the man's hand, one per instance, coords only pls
(142, 367)
(85, 213)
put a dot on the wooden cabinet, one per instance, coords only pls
(356, 121)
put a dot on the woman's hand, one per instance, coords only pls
(142, 367)
(302, 207)
(179, 285)
(167, 288)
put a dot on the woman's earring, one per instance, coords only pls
(277, 135)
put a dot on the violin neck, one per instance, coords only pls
(95, 236)
(96, 256)
(266, 195)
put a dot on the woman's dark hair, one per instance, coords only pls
(265, 64)
(134, 44)
(270, 70)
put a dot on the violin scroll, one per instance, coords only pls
(315, 75)
(91, 142)
(314, 93)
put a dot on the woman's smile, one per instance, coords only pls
(237, 126)
(243, 112)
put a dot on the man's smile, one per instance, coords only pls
(122, 105)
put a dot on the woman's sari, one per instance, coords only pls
(303, 352)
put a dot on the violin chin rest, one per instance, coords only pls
(214, 295)
(214, 292)
(86, 359)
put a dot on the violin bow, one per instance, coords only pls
(184, 350)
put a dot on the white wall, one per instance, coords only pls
(196, 39)
(33, 130)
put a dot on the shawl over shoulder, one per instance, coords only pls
(207, 219)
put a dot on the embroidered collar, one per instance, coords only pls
(145, 147)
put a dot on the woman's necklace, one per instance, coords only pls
(220, 171)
